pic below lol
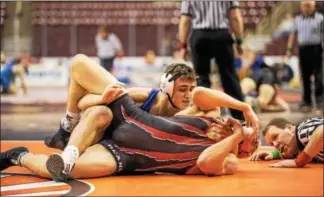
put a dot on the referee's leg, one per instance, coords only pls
(318, 74)
(201, 58)
(225, 60)
(305, 61)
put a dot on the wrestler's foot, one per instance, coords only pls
(12, 157)
(61, 137)
(58, 168)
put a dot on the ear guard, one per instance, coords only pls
(167, 84)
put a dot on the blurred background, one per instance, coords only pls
(48, 34)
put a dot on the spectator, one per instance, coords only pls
(16, 67)
(108, 47)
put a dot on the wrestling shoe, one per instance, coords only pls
(58, 168)
(12, 157)
(62, 136)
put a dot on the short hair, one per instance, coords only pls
(102, 28)
(181, 70)
(277, 122)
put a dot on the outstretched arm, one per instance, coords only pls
(208, 99)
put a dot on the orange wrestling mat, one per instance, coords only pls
(253, 179)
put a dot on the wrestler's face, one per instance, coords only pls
(249, 144)
(182, 92)
(283, 140)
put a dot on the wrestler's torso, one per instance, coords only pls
(151, 142)
(170, 144)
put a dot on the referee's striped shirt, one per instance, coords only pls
(305, 130)
(309, 29)
(208, 14)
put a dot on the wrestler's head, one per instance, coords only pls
(280, 133)
(178, 82)
(250, 143)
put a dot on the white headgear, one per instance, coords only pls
(167, 84)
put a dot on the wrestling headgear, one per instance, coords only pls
(167, 84)
(167, 80)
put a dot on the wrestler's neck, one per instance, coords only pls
(163, 107)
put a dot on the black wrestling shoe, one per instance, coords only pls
(59, 140)
(12, 157)
(57, 168)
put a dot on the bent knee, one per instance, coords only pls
(100, 116)
(77, 61)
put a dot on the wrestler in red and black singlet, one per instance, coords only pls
(142, 142)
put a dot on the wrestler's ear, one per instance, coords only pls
(290, 127)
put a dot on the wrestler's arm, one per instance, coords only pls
(208, 99)
(215, 159)
(138, 95)
(229, 167)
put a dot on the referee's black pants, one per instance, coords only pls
(107, 63)
(310, 59)
(218, 44)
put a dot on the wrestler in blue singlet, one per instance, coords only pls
(148, 103)
(7, 74)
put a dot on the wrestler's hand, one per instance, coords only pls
(261, 155)
(221, 131)
(288, 163)
(112, 92)
(251, 118)
(236, 125)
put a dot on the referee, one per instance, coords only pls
(308, 27)
(211, 22)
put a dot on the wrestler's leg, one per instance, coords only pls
(86, 77)
(281, 103)
(98, 159)
(90, 128)
(266, 94)
(269, 101)
(88, 131)
(95, 162)
(247, 85)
